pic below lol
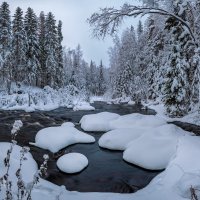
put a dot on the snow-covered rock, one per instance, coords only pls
(131, 102)
(83, 106)
(119, 139)
(56, 138)
(29, 166)
(68, 124)
(136, 120)
(97, 122)
(72, 163)
(154, 150)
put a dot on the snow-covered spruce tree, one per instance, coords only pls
(67, 65)
(123, 81)
(77, 74)
(140, 29)
(194, 75)
(42, 50)
(5, 44)
(114, 64)
(59, 70)
(32, 54)
(197, 19)
(19, 47)
(154, 44)
(101, 81)
(51, 44)
(176, 88)
(151, 3)
(126, 61)
(92, 78)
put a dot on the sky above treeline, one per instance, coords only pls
(73, 14)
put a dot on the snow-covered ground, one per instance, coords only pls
(193, 117)
(33, 98)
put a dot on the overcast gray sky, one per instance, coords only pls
(73, 14)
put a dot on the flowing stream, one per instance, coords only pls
(106, 172)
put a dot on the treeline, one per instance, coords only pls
(31, 53)
(30, 48)
(160, 60)
(91, 77)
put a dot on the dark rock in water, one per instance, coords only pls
(188, 127)
(106, 172)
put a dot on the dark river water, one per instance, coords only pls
(106, 172)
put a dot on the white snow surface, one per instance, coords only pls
(97, 122)
(72, 163)
(119, 139)
(29, 166)
(181, 173)
(131, 102)
(154, 149)
(192, 117)
(30, 98)
(83, 106)
(68, 124)
(136, 120)
(56, 138)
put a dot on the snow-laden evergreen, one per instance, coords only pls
(32, 54)
(163, 60)
(19, 47)
(5, 43)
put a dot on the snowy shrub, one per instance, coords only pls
(42, 99)
(18, 190)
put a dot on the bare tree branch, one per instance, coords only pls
(107, 21)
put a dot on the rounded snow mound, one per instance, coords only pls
(137, 120)
(83, 106)
(72, 163)
(98, 122)
(57, 138)
(119, 139)
(154, 149)
(68, 124)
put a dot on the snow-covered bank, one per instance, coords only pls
(192, 117)
(30, 99)
(29, 163)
